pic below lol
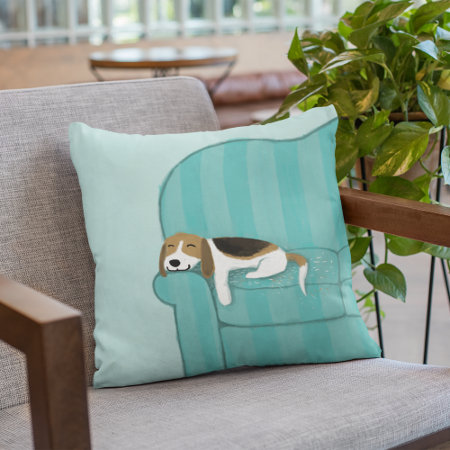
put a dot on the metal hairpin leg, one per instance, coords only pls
(96, 74)
(432, 267)
(372, 261)
(447, 285)
(161, 72)
(213, 88)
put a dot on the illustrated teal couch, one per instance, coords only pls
(255, 189)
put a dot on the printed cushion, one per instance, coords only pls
(217, 249)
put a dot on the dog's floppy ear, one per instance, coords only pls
(207, 260)
(162, 257)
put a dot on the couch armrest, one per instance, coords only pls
(407, 218)
(49, 333)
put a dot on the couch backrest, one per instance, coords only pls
(42, 237)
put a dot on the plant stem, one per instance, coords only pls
(369, 264)
(361, 180)
(397, 91)
(365, 295)
(424, 167)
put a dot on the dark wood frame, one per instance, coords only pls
(49, 333)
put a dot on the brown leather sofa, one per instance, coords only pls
(239, 97)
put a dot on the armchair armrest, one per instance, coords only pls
(407, 218)
(49, 333)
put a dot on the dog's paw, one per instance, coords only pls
(252, 275)
(224, 298)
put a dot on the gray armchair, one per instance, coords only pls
(374, 403)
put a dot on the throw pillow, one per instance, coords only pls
(217, 249)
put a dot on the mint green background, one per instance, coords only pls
(121, 177)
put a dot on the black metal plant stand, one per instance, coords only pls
(432, 267)
(372, 261)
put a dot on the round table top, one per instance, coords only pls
(161, 57)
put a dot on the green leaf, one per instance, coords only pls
(388, 279)
(428, 28)
(344, 29)
(275, 118)
(358, 247)
(434, 103)
(361, 37)
(445, 163)
(404, 247)
(386, 45)
(373, 132)
(355, 231)
(423, 183)
(351, 56)
(346, 150)
(442, 34)
(388, 98)
(303, 92)
(428, 12)
(352, 103)
(365, 98)
(438, 251)
(343, 102)
(373, 18)
(402, 149)
(310, 102)
(396, 187)
(296, 55)
(429, 48)
(360, 15)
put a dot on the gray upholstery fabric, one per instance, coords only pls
(42, 238)
(366, 404)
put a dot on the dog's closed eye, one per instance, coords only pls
(190, 245)
(171, 245)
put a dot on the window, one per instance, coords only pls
(33, 22)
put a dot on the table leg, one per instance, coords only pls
(228, 69)
(95, 73)
(161, 72)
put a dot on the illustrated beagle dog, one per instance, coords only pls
(219, 256)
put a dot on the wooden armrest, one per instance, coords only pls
(49, 333)
(407, 218)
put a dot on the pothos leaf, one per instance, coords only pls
(346, 150)
(429, 48)
(406, 144)
(373, 132)
(296, 55)
(350, 56)
(403, 246)
(434, 103)
(438, 251)
(388, 279)
(358, 247)
(426, 13)
(396, 187)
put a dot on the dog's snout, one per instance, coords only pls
(174, 262)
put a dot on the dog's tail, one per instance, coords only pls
(303, 268)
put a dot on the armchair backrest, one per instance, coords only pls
(243, 188)
(42, 237)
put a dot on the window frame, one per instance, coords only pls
(183, 25)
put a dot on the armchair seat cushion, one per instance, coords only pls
(310, 406)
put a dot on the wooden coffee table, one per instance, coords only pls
(164, 61)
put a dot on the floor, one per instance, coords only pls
(404, 324)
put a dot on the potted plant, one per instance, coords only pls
(386, 69)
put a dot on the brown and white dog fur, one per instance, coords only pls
(219, 256)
